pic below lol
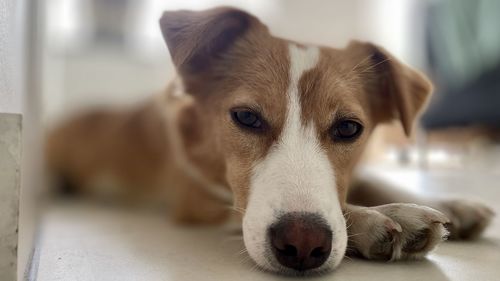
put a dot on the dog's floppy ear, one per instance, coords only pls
(196, 39)
(398, 91)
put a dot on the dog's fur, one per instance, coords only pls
(183, 146)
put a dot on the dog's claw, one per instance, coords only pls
(393, 226)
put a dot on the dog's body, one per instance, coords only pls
(278, 127)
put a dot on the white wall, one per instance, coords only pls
(10, 101)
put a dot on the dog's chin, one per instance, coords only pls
(272, 266)
(265, 261)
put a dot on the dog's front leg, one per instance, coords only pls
(394, 231)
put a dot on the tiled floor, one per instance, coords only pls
(87, 243)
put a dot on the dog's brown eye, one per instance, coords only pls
(346, 130)
(246, 118)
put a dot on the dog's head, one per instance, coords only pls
(289, 121)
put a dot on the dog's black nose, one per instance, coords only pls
(301, 241)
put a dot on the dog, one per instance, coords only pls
(273, 128)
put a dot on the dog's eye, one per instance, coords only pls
(346, 130)
(247, 118)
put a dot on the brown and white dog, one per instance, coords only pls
(275, 127)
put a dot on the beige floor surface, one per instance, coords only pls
(80, 242)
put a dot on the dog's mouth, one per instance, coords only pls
(285, 271)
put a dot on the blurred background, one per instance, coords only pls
(111, 52)
(58, 57)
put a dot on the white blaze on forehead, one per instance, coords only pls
(295, 176)
(296, 166)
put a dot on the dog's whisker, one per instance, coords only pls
(355, 234)
(348, 212)
(350, 224)
(352, 235)
(243, 251)
(243, 259)
(253, 268)
(359, 63)
(348, 257)
(373, 66)
(237, 209)
(243, 254)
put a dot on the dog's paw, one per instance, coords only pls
(395, 231)
(468, 219)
